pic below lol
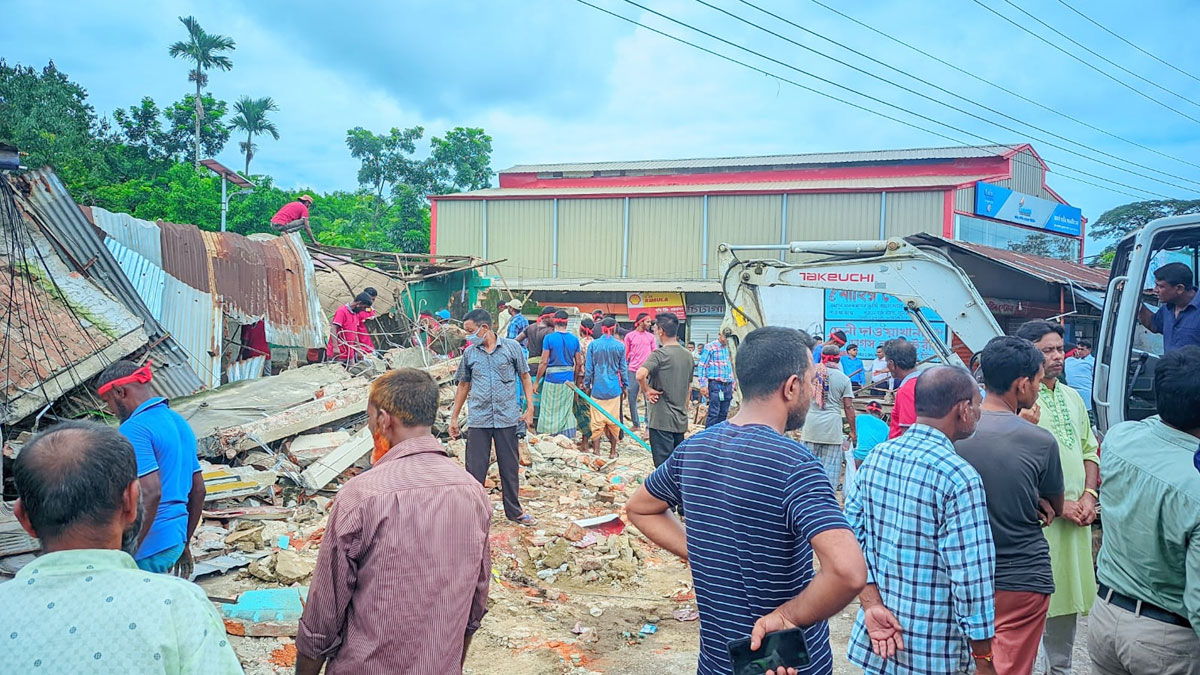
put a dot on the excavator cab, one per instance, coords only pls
(1127, 353)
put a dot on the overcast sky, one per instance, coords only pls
(554, 80)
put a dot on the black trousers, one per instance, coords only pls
(479, 455)
(663, 443)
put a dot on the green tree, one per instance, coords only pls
(205, 50)
(1120, 221)
(46, 115)
(180, 135)
(387, 162)
(462, 160)
(251, 118)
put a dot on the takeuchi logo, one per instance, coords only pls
(847, 277)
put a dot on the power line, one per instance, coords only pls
(1142, 193)
(883, 102)
(1128, 86)
(951, 93)
(1099, 55)
(1122, 39)
(1001, 87)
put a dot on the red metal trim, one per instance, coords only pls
(971, 165)
(716, 192)
(432, 226)
(948, 213)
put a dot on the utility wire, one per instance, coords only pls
(1128, 86)
(1122, 39)
(1001, 87)
(1099, 55)
(870, 97)
(951, 93)
(1108, 186)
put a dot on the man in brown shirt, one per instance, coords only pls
(406, 546)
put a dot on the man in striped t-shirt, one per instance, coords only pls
(758, 506)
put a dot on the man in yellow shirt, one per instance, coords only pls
(1061, 411)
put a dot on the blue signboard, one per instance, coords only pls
(871, 334)
(870, 319)
(1000, 203)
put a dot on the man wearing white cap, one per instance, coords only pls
(293, 216)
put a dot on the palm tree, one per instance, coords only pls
(205, 50)
(252, 118)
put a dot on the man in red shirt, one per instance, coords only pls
(344, 343)
(293, 216)
(402, 578)
(901, 358)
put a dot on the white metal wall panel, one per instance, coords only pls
(460, 227)
(519, 231)
(147, 278)
(136, 234)
(964, 199)
(913, 212)
(743, 219)
(664, 237)
(703, 329)
(831, 217)
(590, 235)
(191, 317)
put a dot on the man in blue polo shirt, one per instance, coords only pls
(168, 470)
(1178, 315)
(758, 507)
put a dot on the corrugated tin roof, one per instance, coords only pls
(44, 198)
(270, 278)
(1047, 269)
(888, 183)
(773, 161)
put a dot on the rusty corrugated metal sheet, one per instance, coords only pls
(1052, 270)
(247, 279)
(77, 241)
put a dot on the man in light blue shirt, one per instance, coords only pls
(605, 374)
(1079, 369)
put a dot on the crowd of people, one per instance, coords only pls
(964, 528)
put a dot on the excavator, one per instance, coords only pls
(929, 284)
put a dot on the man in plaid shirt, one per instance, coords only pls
(716, 379)
(920, 515)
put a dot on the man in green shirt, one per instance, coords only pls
(1061, 411)
(84, 606)
(666, 379)
(1147, 619)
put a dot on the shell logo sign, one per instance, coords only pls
(653, 303)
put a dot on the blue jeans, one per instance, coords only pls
(719, 396)
(631, 393)
(161, 562)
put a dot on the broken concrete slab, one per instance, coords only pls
(268, 612)
(309, 448)
(13, 538)
(224, 563)
(318, 475)
(227, 482)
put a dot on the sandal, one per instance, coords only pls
(524, 519)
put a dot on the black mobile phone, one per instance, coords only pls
(781, 649)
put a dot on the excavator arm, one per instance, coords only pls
(918, 277)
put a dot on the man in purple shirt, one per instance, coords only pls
(639, 343)
(402, 577)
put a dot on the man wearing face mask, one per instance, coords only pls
(920, 514)
(1060, 410)
(83, 606)
(753, 494)
(487, 374)
(1022, 476)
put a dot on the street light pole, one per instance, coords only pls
(224, 203)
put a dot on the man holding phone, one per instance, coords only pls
(753, 494)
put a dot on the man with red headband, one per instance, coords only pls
(168, 470)
(832, 395)
(561, 361)
(604, 378)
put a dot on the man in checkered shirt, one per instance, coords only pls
(920, 515)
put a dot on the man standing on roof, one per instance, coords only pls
(344, 345)
(293, 216)
(168, 470)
